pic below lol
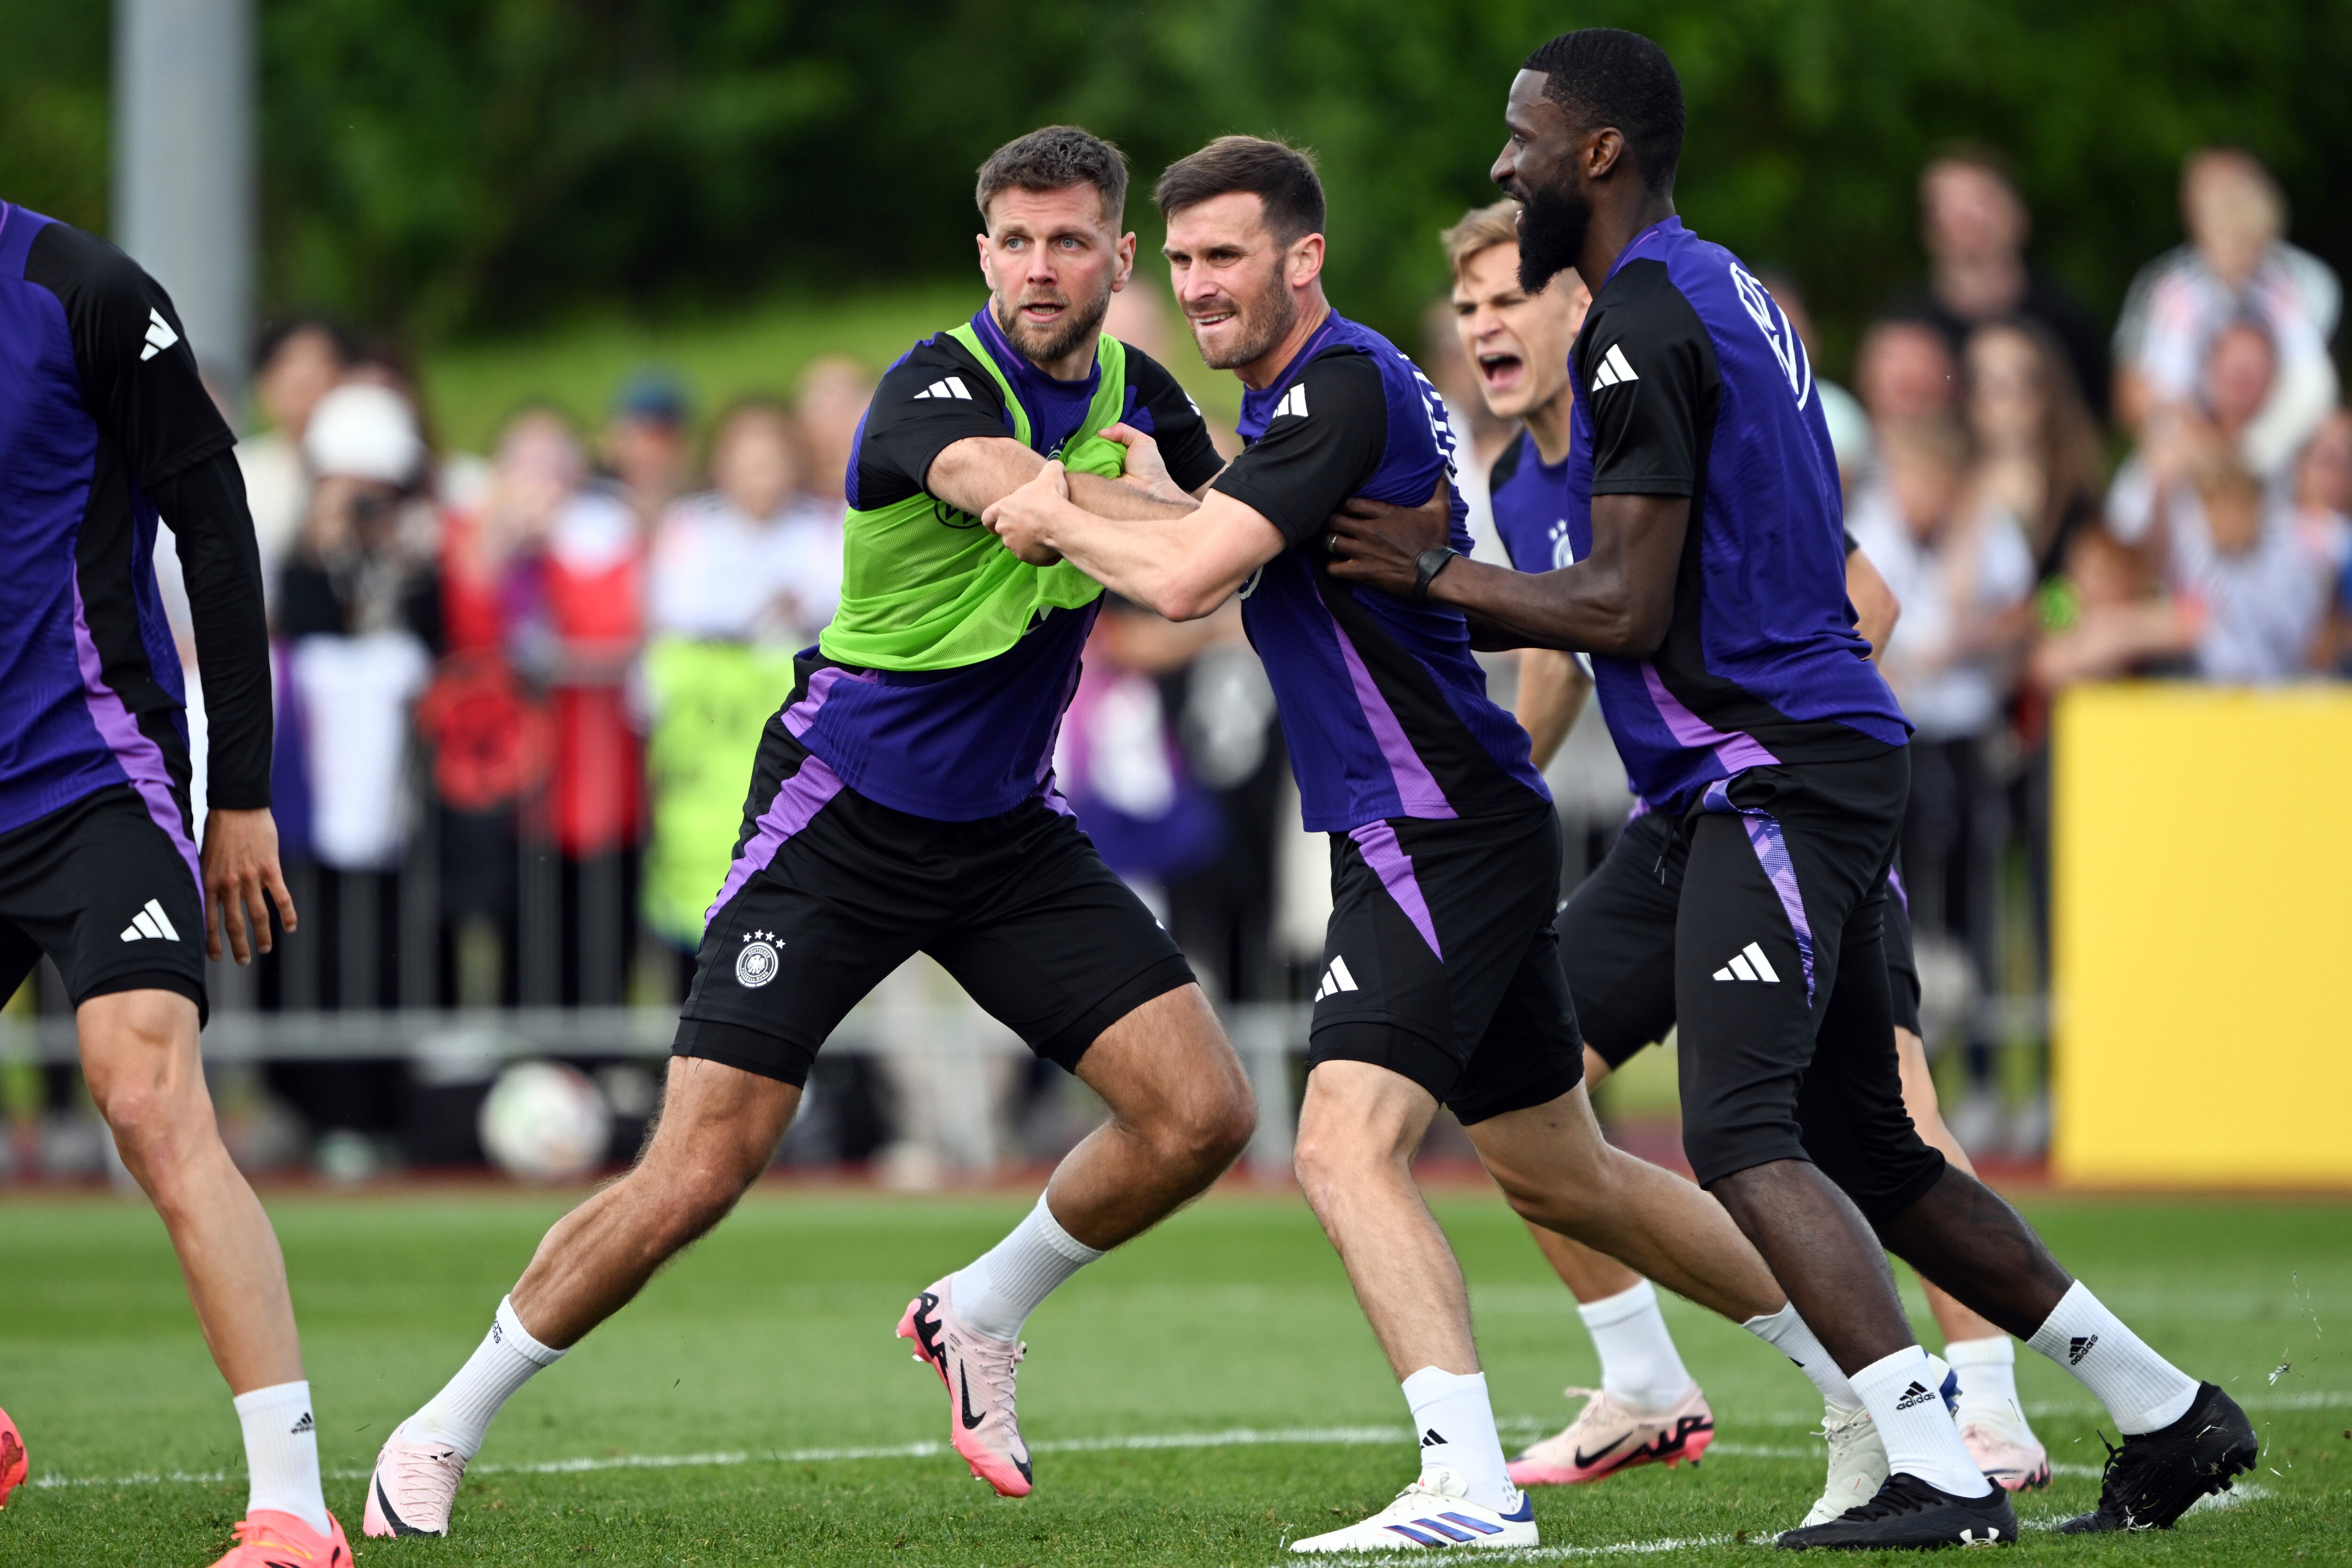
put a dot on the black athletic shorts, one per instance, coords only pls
(107, 893)
(1441, 963)
(1787, 1043)
(830, 892)
(1617, 942)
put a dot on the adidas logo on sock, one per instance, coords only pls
(305, 1424)
(1916, 1394)
(952, 386)
(1336, 979)
(151, 922)
(1750, 963)
(1430, 1439)
(2080, 1346)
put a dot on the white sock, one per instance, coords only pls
(997, 1291)
(1988, 1370)
(1456, 1424)
(1786, 1332)
(2140, 1389)
(1909, 1411)
(281, 1453)
(460, 1414)
(1639, 1363)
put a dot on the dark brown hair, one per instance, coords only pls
(1281, 177)
(1055, 159)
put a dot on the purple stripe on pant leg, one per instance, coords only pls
(1735, 750)
(1388, 859)
(1417, 790)
(798, 800)
(801, 714)
(1772, 853)
(141, 759)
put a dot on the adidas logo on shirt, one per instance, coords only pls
(1336, 979)
(1614, 368)
(160, 335)
(1914, 1396)
(150, 922)
(1293, 401)
(2080, 1346)
(948, 387)
(1750, 963)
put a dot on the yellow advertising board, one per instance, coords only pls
(2203, 913)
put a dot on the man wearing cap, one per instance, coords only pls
(104, 424)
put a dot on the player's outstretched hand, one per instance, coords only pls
(1374, 542)
(240, 862)
(1145, 469)
(1024, 519)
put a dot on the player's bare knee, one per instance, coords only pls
(1212, 1130)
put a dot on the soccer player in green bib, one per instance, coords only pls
(903, 801)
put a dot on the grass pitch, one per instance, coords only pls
(1202, 1397)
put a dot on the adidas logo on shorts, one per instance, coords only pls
(151, 924)
(1750, 963)
(1336, 979)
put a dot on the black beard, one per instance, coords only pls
(1077, 324)
(1552, 230)
(1262, 329)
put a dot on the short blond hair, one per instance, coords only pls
(1481, 229)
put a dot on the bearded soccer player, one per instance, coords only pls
(1616, 942)
(105, 426)
(902, 800)
(1441, 978)
(1709, 590)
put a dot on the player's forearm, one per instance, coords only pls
(1116, 499)
(213, 529)
(1154, 561)
(1575, 608)
(1551, 694)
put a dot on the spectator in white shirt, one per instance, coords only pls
(2236, 267)
(751, 559)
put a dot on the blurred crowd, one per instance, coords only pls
(520, 692)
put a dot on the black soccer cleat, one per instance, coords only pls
(2155, 1476)
(1908, 1514)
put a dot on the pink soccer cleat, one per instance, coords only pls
(1609, 1436)
(269, 1538)
(978, 1371)
(414, 1489)
(14, 1463)
(2006, 1450)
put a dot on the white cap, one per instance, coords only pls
(363, 431)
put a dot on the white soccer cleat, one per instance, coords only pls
(1857, 1464)
(1609, 1436)
(979, 1373)
(1432, 1512)
(2005, 1448)
(414, 1489)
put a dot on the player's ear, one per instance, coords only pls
(1305, 262)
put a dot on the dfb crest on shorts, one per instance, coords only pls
(757, 963)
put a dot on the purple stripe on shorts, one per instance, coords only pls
(798, 800)
(1772, 854)
(1735, 750)
(1388, 859)
(141, 759)
(1895, 886)
(801, 714)
(1417, 790)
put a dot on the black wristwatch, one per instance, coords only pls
(1427, 565)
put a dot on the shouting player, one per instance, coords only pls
(1442, 982)
(1617, 931)
(1709, 588)
(104, 426)
(902, 801)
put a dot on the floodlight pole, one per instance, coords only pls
(183, 165)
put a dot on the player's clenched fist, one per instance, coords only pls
(1023, 520)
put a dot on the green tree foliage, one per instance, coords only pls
(472, 166)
